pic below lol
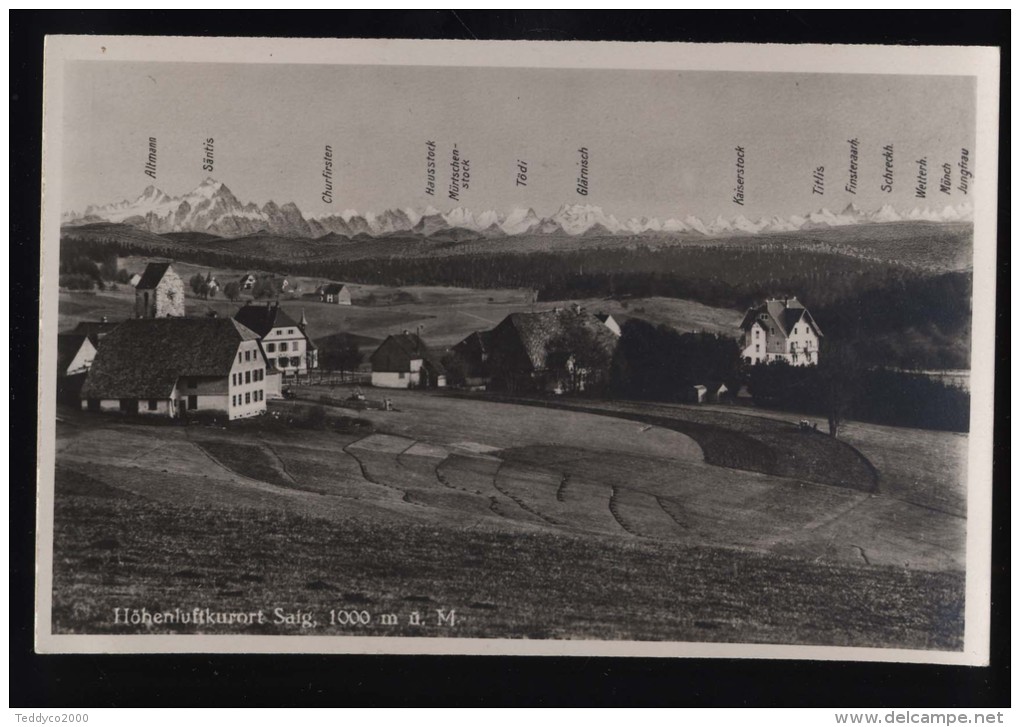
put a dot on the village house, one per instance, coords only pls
(160, 293)
(404, 361)
(335, 293)
(781, 329)
(169, 367)
(532, 350)
(284, 341)
(75, 353)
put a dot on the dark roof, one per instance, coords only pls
(142, 359)
(154, 272)
(786, 312)
(477, 340)
(332, 288)
(397, 352)
(95, 330)
(603, 316)
(536, 330)
(262, 318)
(68, 345)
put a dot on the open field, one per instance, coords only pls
(530, 522)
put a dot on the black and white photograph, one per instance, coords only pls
(516, 348)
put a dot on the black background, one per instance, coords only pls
(278, 680)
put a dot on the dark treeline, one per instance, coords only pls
(880, 396)
(660, 364)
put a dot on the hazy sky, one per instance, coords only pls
(660, 143)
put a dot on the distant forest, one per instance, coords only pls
(894, 316)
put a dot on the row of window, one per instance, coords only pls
(248, 376)
(246, 356)
(271, 347)
(249, 397)
(284, 362)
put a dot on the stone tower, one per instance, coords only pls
(160, 293)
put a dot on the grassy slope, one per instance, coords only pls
(120, 550)
(552, 523)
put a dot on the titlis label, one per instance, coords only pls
(150, 162)
(818, 180)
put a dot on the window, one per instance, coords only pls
(247, 355)
(290, 331)
(192, 401)
(402, 376)
(271, 347)
(283, 346)
(247, 377)
(757, 333)
(282, 361)
(247, 397)
(757, 347)
(153, 405)
(238, 357)
(795, 330)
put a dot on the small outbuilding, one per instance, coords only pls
(335, 293)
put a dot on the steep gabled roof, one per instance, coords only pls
(535, 331)
(264, 318)
(68, 346)
(144, 358)
(154, 272)
(785, 313)
(398, 350)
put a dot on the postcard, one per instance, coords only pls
(442, 347)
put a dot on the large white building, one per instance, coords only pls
(172, 366)
(781, 329)
(284, 341)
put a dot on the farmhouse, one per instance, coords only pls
(336, 293)
(553, 350)
(160, 293)
(75, 352)
(168, 367)
(781, 329)
(404, 361)
(284, 341)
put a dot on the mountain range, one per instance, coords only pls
(212, 208)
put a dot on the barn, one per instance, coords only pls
(404, 361)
